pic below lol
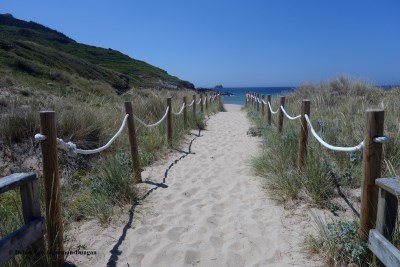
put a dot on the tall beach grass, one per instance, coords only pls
(338, 115)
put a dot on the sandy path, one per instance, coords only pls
(213, 212)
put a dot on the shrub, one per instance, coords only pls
(339, 242)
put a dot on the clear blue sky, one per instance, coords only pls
(237, 43)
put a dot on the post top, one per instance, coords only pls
(306, 100)
(46, 111)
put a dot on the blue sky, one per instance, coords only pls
(237, 43)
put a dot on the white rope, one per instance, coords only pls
(381, 139)
(325, 144)
(288, 116)
(190, 103)
(154, 124)
(270, 108)
(204, 101)
(180, 111)
(73, 150)
(198, 103)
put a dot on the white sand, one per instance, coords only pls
(213, 213)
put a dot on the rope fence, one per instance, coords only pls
(371, 147)
(380, 139)
(50, 142)
(153, 124)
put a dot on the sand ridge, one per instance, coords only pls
(213, 211)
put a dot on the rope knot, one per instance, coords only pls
(71, 147)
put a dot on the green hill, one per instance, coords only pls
(46, 56)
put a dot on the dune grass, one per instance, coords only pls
(338, 115)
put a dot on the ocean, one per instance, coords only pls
(240, 93)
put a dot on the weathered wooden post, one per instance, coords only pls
(258, 103)
(302, 154)
(280, 118)
(169, 121)
(201, 104)
(262, 107)
(30, 200)
(206, 102)
(372, 161)
(185, 118)
(194, 106)
(133, 143)
(52, 188)
(269, 114)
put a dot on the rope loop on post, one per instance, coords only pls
(381, 139)
(73, 150)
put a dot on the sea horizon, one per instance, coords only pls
(240, 92)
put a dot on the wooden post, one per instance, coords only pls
(258, 103)
(269, 114)
(169, 121)
(372, 161)
(133, 143)
(280, 118)
(52, 188)
(30, 201)
(302, 154)
(262, 107)
(185, 118)
(206, 102)
(194, 106)
(201, 104)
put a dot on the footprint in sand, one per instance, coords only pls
(192, 257)
(175, 233)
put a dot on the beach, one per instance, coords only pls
(211, 210)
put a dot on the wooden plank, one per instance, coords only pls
(386, 214)
(15, 180)
(31, 210)
(391, 185)
(383, 249)
(21, 239)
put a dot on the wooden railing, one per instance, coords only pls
(31, 234)
(380, 238)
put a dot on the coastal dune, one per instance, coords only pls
(212, 211)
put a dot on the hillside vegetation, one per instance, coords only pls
(42, 69)
(47, 57)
